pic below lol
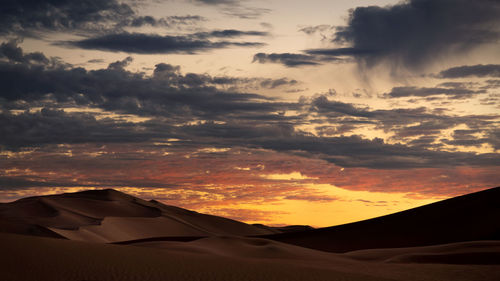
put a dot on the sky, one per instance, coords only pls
(276, 112)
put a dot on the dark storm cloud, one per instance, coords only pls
(475, 138)
(170, 21)
(276, 83)
(287, 59)
(337, 52)
(55, 126)
(52, 127)
(217, 2)
(172, 74)
(335, 130)
(120, 65)
(16, 16)
(13, 53)
(466, 138)
(491, 84)
(30, 17)
(322, 105)
(404, 124)
(229, 33)
(190, 108)
(309, 30)
(13, 183)
(426, 128)
(479, 70)
(312, 57)
(352, 151)
(154, 44)
(416, 32)
(167, 93)
(454, 93)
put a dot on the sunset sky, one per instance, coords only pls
(277, 112)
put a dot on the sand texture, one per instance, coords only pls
(111, 216)
(220, 258)
(107, 235)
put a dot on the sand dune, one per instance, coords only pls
(473, 252)
(111, 216)
(470, 217)
(218, 258)
(153, 241)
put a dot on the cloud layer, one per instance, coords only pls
(157, 44)
(192, 107)
(413, 33)
(214, 141)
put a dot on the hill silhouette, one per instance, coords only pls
(470, 217)
(112, 216)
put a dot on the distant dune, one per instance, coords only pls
(112, 216)
(469, 217)
(152, 241)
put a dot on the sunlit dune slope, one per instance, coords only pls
(111, 216)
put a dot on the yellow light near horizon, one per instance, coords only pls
(345, 207)
(289, 176)
(349, 206)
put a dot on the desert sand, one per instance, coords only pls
(111, 216)
(108, 235)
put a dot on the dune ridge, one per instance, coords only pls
(109, 235)
(470, 217)
(112, 216)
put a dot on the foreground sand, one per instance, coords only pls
(232, 258)
(106, 235)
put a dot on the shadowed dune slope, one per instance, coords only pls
(469, 217)
(228, 258)
(471, 252)
(111, 216)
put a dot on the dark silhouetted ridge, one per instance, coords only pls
(469, 217)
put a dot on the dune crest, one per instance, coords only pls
(470, 217)
(112, 216)
(111, 236)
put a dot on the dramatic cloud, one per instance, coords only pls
(13, 53)
(480, 70)
(19, 16)
(455, 93)
(217, 2)
(206, 142)
(170, 21)
(155, 44)
(230, 33)
(309, 30)
(191, 107)
(416, 32)
(167, 93)
(235, 8)
(55, 127)
(276, 83)
(417, 127)
(85, 16)
(287, 59)
(337, 52)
